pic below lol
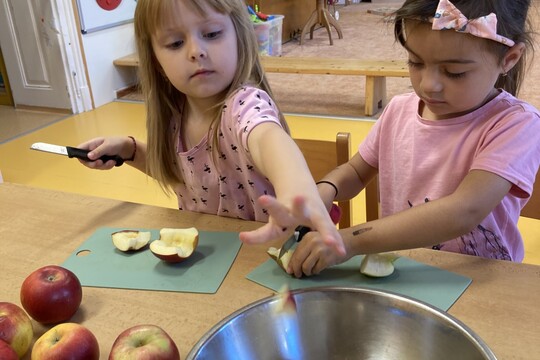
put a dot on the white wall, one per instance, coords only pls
(100, 49)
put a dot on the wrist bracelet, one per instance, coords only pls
(329, 183)
(134, 149)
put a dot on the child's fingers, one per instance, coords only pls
(279, 213)
(267, 232)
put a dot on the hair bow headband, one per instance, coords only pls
(449, 17)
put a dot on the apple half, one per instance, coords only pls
(130, 240)
(175, 245)
(378, 265)
(283, 262)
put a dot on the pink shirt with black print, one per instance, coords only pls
(230, 187)
(421, 160)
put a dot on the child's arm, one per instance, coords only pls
(349, 178)
(123, 146)
(424, 225)
(278, 157)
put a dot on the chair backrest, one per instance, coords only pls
(532, 209)
(372, 199)
(322, 157)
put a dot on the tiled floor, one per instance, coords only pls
(18, 164)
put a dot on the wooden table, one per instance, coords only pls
(41, 227)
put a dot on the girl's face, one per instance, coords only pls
(198, 53)
(451, 72)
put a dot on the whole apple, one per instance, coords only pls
(144, 342)
(66, 341)
(51, 294)
(15, 328)
(7, 352)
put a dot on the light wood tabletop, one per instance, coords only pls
(41, 227)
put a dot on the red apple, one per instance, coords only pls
(15, 328)
(7, 352)
(66, 341)
(144, 342)
(175, 245)
(51, 294)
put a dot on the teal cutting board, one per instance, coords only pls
(98, 263)
(432, 285)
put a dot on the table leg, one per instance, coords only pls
(322, 16)
(311, 22)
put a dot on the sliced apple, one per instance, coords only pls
(175, 245)
(130, 240)
(283, 262)
(285, 303)
(378, 265)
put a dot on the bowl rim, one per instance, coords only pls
(473, 337)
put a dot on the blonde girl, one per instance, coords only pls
(215, 136)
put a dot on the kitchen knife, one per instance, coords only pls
(299, 233)
(73, 152)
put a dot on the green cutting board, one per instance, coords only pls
(98, 263)
(432, 285)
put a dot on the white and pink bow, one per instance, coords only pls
(448, 17)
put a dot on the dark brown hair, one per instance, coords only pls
(512, 23)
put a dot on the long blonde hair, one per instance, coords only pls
(163, 100)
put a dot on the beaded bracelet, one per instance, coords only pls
(134, 149)
(329, 183)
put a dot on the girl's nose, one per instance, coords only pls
(196, 51)
(198, 54)
(431, 82)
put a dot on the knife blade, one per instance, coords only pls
(299, 233)
(73, 152)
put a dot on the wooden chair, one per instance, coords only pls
(322, 157)
(532, 209)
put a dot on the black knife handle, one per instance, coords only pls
(302, 230)
(83, 155)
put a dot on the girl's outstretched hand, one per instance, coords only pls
(102, 146)
(283, 221)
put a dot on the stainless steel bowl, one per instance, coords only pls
(341, 323)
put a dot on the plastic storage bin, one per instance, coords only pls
(269, 35)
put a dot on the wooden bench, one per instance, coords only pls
(375, 72)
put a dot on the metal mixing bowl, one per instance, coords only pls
(341, 323)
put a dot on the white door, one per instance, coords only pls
(31, 43)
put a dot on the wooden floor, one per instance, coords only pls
(19, 164)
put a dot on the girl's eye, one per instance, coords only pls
(455, 75)
(175, 45)
(212, 34)
(413, 64)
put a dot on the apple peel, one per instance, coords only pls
(378, 265)
(283, 262)
(130, 240)
(175, 245)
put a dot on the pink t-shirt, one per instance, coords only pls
(421, 160)
(232, 185)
